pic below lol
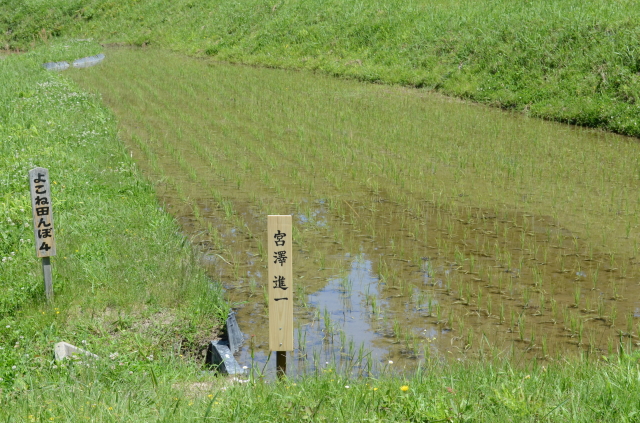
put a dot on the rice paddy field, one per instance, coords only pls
(453, 261)
(424, 226)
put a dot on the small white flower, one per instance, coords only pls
(14, 367)
(346, 386)
(130, 372)
(8, 326)
(390, 362)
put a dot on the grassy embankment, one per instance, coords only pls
(572, 61)
(127, 285)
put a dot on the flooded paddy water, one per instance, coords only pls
(424, 227)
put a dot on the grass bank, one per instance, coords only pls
(114, 390)
(126, 281)
(571, 61)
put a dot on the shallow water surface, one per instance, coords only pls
(424, 227)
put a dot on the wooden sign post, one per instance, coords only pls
(43, 224)
(280, 241)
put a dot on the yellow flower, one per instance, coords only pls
(210, 395)
(404, 388)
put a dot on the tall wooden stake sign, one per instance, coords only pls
(280, 242)
(43, 223)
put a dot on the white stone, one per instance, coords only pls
(65, 350)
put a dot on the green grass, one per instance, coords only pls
(572, 61)
(116, 390)
(125, 278)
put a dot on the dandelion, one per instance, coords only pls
(404, 388)
(210, 395)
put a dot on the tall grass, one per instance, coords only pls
(113, 390)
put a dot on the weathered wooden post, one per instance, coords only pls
(280, 289)
(43, 224)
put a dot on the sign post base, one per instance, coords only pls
(48, 279)
(281, 364)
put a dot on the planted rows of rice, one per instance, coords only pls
(496, 232)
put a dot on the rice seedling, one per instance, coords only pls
(254, 162)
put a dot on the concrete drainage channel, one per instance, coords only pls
(85, 62)
(219, 354)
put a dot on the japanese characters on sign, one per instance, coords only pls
(280, 283)
(42, 212)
